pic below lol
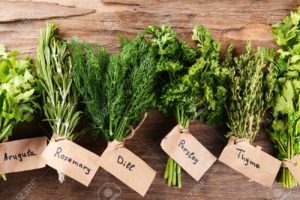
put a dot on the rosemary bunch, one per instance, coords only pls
(117, 89)
(251, 89)
(285, 131)
(191, 81)
(18, 92)
(55, 73)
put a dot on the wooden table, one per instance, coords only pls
(232, 21)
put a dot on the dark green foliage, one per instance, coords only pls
(117, 89)
(191, 81)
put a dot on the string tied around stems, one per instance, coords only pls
(238, 140)
(59, 138)
(132, 132)
(286, 160)
(184, 130)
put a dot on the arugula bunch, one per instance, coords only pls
(55, 73)
(18, 92)
(117, 89)
(252, 86)
(285, 132)
(191, 81)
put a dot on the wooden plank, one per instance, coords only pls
(230, 21)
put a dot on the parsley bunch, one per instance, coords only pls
(55, 73)
(285, 132)
(18, 92)
(117, 89)
(191, 81)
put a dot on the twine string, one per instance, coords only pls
(133, 131)
(286, 160)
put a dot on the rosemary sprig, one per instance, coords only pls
(55, 73)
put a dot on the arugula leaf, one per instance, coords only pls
(18, 91)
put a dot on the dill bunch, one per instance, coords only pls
(117, 89)
(55, 73)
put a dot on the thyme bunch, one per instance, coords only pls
(251, 88)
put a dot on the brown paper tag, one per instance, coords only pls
(22, 155)
(250, 161)
(188, 152)
(71, 159)
(294, 167)
(127, 167)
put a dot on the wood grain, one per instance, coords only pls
(231, 21)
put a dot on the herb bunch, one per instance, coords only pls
(117, 89)
(55, 73)
(252, 86)
(18, 92)
(285, 132)
(191, 80)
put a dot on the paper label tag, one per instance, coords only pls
(250, 161)
(294, 167)
(71, 159)
(127, 167)
(188, 152)
(22, 155)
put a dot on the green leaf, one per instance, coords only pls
(18, 91)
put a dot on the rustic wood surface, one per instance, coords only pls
(231, 21)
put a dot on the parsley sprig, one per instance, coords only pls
(191, 81)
